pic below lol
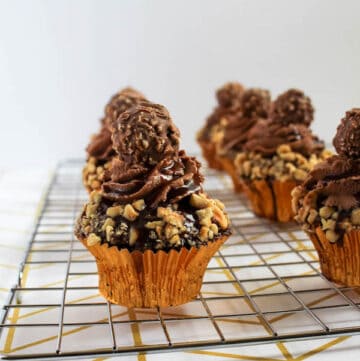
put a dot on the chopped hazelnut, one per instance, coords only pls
(91, 210)
(331, 236)
(109, 231)
(133, 236)
(154, 224)
(355, 216)
(199, 201)
(220, 217)
(326, 212)
(115, 211)
(93, 239)
(130, 213)
(139, 205)
(108, 222)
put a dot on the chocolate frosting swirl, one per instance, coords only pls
(336, 181)
(228, 97)
(288, 124)
(266, 136)
(100, 145)
(255, 104)
(169, 181)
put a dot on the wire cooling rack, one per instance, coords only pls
(263, 286)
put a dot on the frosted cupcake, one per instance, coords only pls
(278, 155)
(151, 227)
(254, 105)
(99, 150)
(327, 205)
(228, 98)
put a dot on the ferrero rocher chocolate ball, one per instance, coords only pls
(120, 102)
(293, 107)
(145, 134)
(229, 94)
(255, 103)
(347, 138)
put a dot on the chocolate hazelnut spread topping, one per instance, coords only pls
(288, 124)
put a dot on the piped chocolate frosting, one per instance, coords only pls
(229, 98)
(336, 181)
(149, 165)
(254, 105)
(289, 122)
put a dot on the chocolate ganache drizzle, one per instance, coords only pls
(336, 181)
(289, 121)
(100, 146)
(149, 165)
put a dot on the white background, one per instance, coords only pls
(61, 60)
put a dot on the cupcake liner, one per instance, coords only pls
(229, 167)
(339, 261)
(209, 153)
(148, 279)
(271, 199)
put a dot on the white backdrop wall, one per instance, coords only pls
(61, 60)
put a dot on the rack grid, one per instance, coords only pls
(263, 286)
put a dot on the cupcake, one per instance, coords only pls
(327, 205)
(278, 155)
(99, 150)
(228, 98)
(254, 105)
(151, 227)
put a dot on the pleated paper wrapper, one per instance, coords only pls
(339, 261)
(209, 153)
(271, 199)
(229, 166)
(148, 279)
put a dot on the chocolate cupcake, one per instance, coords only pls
(228, 98)
(278, 155)
(254, 105)
(99, 150)
(151, 227)
(327, 205)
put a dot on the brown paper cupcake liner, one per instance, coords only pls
(339, 261)
(229, 167)
(148, 279)
(271, 199)
(209, 153)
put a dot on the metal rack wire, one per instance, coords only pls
(263, 286)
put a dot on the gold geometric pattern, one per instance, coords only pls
(264, 282)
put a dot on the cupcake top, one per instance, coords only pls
(290, 117)
(333, 186)
(254, 105)
(153, 198)
(100, 146)
(228, 98)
